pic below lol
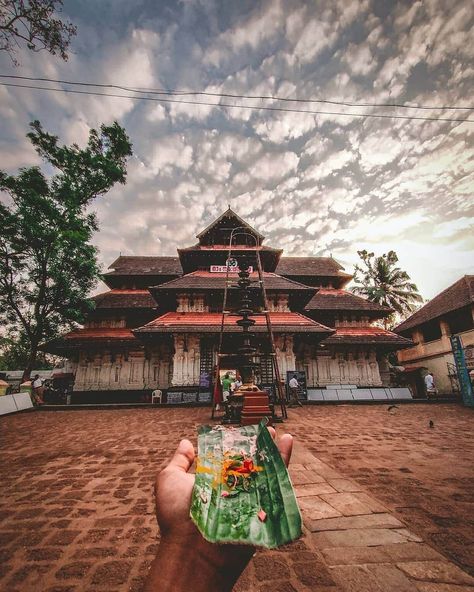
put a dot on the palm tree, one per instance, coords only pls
(384, 283)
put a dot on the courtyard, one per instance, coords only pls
(386, 497)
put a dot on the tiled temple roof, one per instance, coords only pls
(226, 248)
(124, 299)
(205, 322)
(134, 265)
(312, 266)
(206, 280)
(367, 335)
(101, 333)
(458, 295)
(340, 300)
(80, 338)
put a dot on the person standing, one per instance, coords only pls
(237, 383)
(294, 387)
(38, 390)
(430, 384)
(226, 386)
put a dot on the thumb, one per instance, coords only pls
(183, 457)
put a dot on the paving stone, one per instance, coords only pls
(313, 574)
(346, 503)
(436, 571)
(364, 521)
(112, 573)
(75, 570)
(361, 537)
(411, 552)
(44, 554)
(275, 587)
(353, 555)
(270, 568)
(344, 485)
(410, 536)
(355, 578)
(314, 508)
(313, 489)
(305, 477)
(391, 579)
(374, 505)
(430, 587)
(323, 469)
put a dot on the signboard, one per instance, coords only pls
(462, 372)
(205, 380)
(174, 398)
(301, 377)
(223, 269)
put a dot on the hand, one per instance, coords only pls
(185, 560)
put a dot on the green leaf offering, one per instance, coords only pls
(243, 493)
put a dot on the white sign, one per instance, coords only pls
(223, 269)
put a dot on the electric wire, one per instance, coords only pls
(238, 106)
(162, 91)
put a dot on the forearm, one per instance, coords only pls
(202, 567)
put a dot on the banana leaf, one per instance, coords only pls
(242, 492)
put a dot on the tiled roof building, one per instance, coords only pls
(159, 324)
(451, 312)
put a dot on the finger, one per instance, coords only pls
(272, 432)
(285, 446)
(183, 457)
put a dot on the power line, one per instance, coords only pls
(162, 91)
(236, 106)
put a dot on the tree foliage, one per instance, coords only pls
(34, 23)
(15, 352)
(381, 281)
(47, 262)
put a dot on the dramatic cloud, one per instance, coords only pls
(320, 182)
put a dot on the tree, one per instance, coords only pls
(384, 283)
(34, 22)
(47, 263)
(14, 353)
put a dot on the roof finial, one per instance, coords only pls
(228, 205)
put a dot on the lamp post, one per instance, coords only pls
(256, 402)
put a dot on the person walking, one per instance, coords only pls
(294, 387)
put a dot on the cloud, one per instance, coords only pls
(313, 184)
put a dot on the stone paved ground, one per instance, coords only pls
(76, 507)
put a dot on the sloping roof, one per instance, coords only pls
(210, 322)
(206, 280)
(229, 213)
(368, 335)
(226, 248)
(89, 337)
(100, 333)
(458, 295)
(134, 265)
(322, 266)
(124, 299)
(333, 299)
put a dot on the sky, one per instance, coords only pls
(313, 184)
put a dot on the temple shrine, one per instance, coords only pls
(158, 325)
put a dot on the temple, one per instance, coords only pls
(159, 324)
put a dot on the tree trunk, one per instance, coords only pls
(31, 361)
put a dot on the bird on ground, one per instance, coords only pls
(431, 423)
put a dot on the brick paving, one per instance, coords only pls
(378, 491)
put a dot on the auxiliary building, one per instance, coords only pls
(159, 324)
